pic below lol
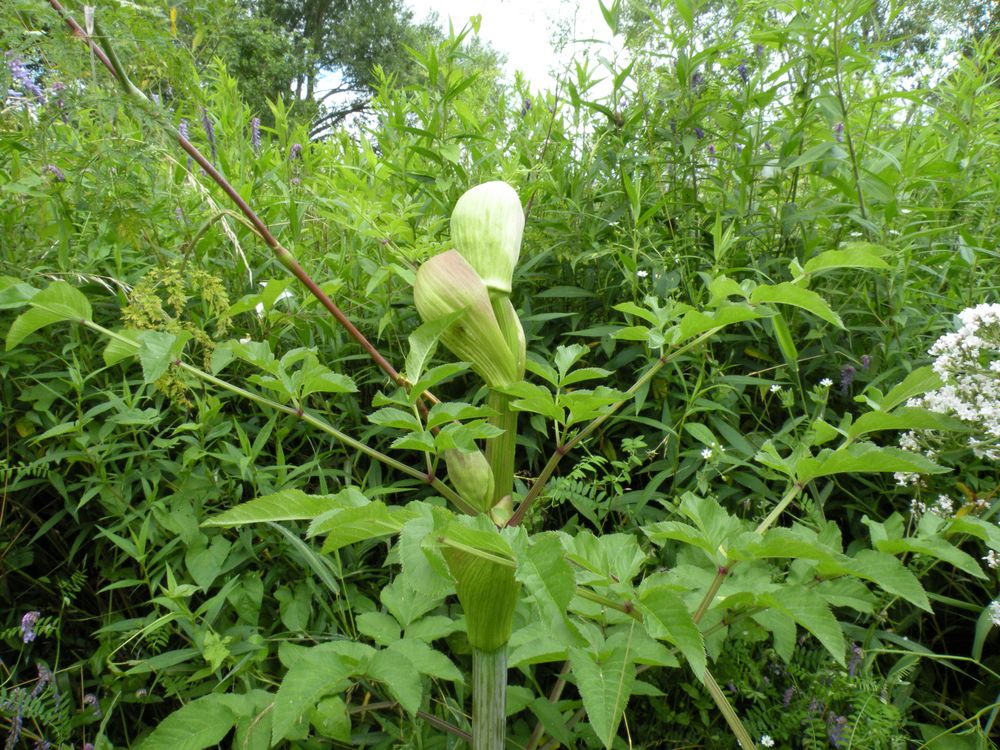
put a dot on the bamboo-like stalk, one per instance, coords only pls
(500, 450)
(489, 698)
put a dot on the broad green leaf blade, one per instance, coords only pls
(921, 380)
(935, 547)
(286, 505)
(787, 293)
(117, 350)
(886, 572)
(352, 525)
(397, 672)
(316, 672)
(668, 618)
(197, 725)
(57, 302)
(695, 322)
(549, 579)
(157, 349)
(809, 610)
(864, 458)
(902, 419)
(605, 684)
(853, 255)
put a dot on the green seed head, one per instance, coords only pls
(447, 284)
(486, 227)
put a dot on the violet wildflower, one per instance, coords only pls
(28, 623)
(847, 373)
(835, 728)
(295, 181)
(838, 132)
(866, 361)
(295, 152)
(255, 134)
(699, 133)
(697, 80)
(44, 678)
(182, 128)
(91, 700)
(855, 660)
(56, 173)
(22, 76)
(88, 746)
(525, 106)
(711, 151)
(786, 699)
(743, 72)
(739, 149)
(15, 727)
(758, 49)
(209, 128)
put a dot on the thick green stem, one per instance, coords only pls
(489, 698)
(500, 450)
(728, 713)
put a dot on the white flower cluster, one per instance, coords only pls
(968, 361)
(995, 613)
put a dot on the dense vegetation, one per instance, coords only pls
(755, 513)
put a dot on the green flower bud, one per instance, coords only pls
(472, 477)
(486, 588)
(486, 227)
(446, 284)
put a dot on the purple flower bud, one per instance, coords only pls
(847, 373)
(739, 148)
(255, 134)
(209, 128)
(88, 746)
(786, 699)
(697, 80)
(55, 172)
(182, 128)
(91, 700)
(699, 133)
(295, 152)
(758, 49)
(856, 655)
(838, 132)
(525, 106)
(23, 78)
(866, 361)
(743, 71)
(295, 181)
(28, 623)
(711, 151)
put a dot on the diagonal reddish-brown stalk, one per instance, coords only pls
(281, 253)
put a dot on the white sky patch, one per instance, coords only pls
(523, 30)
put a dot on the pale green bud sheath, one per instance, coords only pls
(447, 284)
(472, 477)
(486, 227)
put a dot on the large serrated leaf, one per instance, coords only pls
(906, 418)
(605, 684)
(864, 458)
(809, 610)
(667, 618)
(287, 505)
(197, 725)
(57, 302)
(316, 672)
(358, 524)
(397, 672)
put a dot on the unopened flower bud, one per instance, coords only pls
(447, 284)
(486, 227)
(471, 476)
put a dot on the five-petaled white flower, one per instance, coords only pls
(766, 741)
(826, 382)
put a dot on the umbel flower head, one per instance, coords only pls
(486, 227)
(447, 285)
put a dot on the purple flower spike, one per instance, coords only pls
(209, 128)
(295, 152)
(699, 133)
(56, 173)
(866, 361)
(28, 623)
(255, 134)
(838, 132)
(743, 71)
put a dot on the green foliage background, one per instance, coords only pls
(730, 141)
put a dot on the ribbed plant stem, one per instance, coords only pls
(500, 450)
(489, 698)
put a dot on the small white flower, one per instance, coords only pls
(706, 453)
(642, 274)
(775, 388)
(995, 613)
(825, 383)
(766, 741)
(992, 559)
